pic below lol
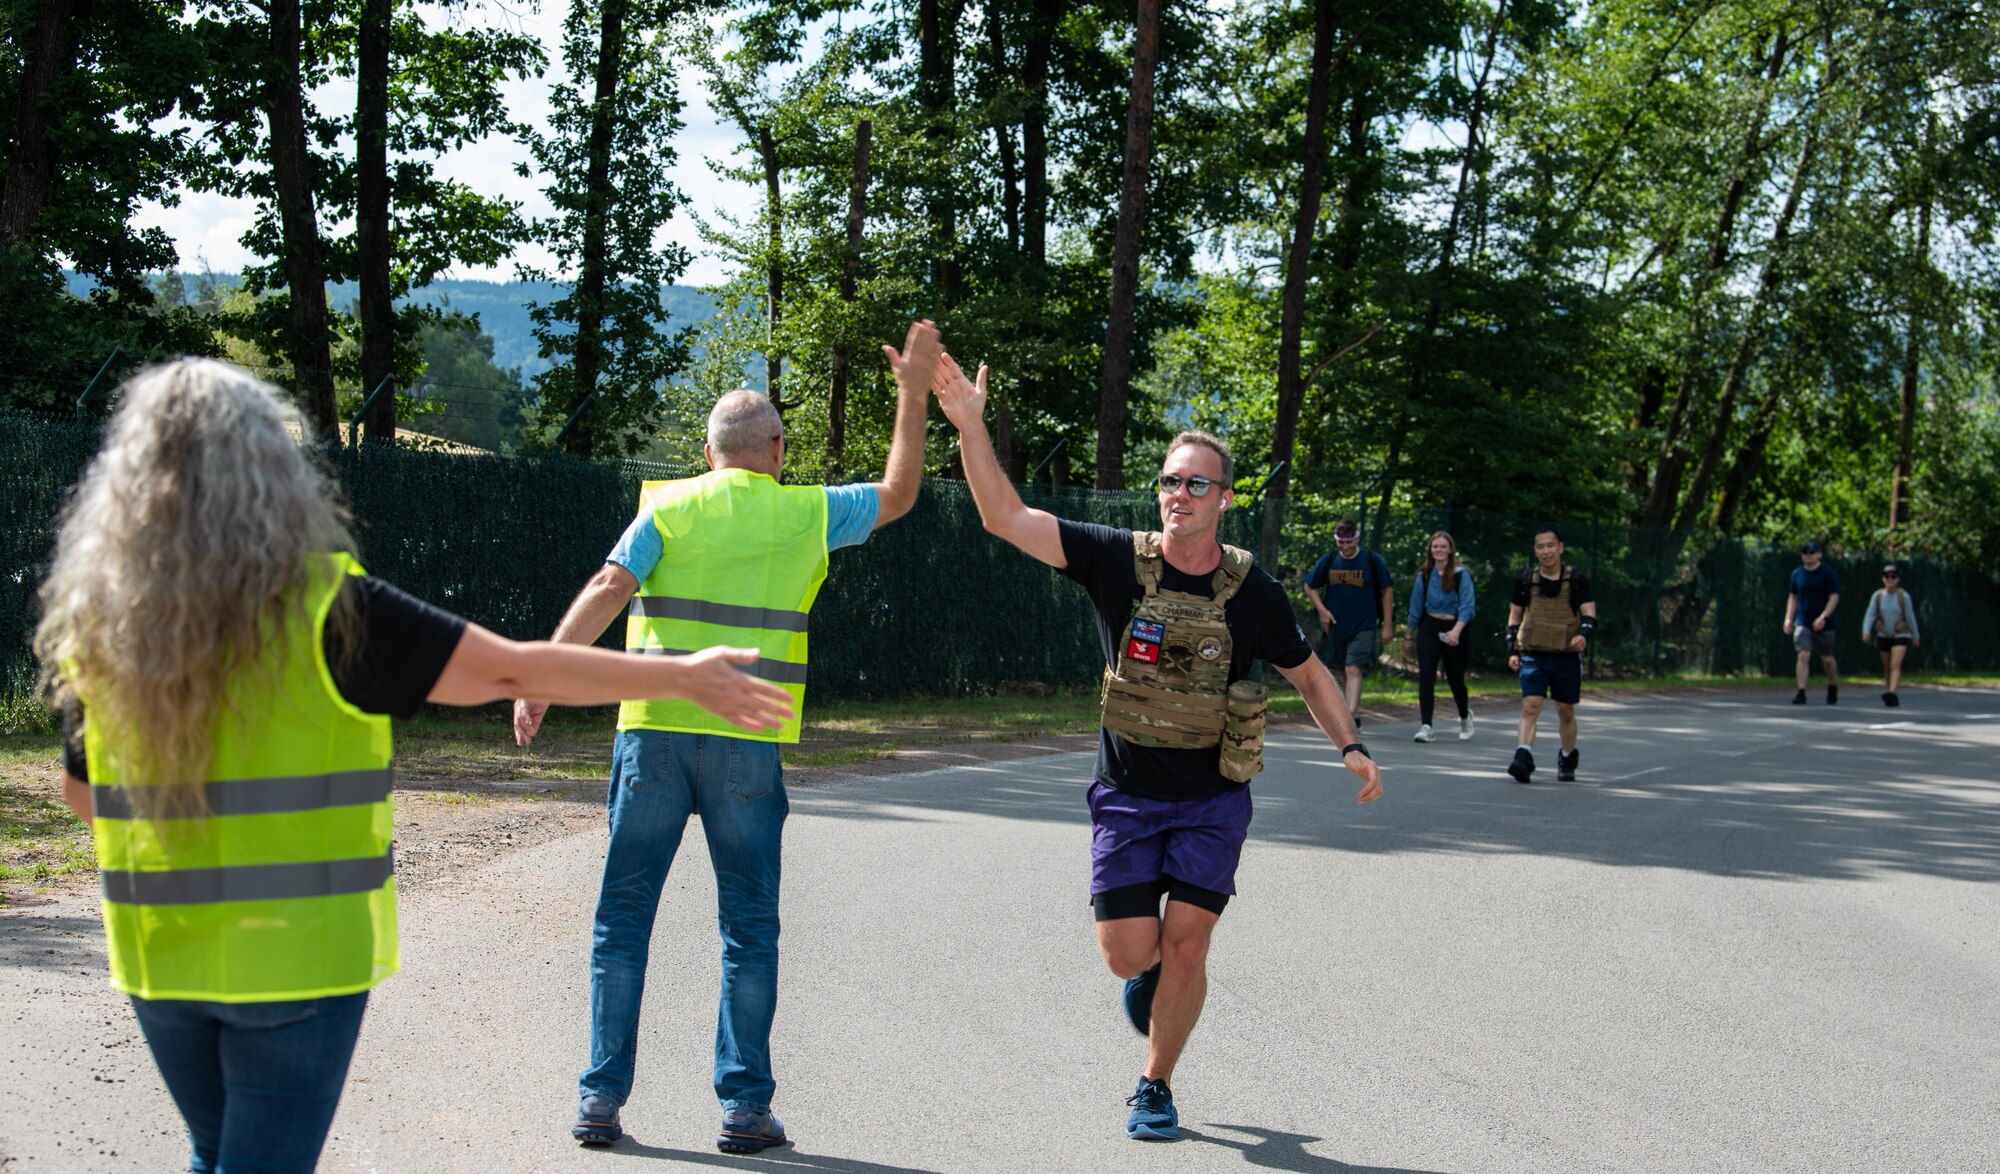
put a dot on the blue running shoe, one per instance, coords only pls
(1153, 1116)
(596, 1120)
(1139, 999)
(749, 1131)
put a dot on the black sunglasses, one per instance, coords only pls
(1196, 486)
(1890, 575)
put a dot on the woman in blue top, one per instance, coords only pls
(1440, 607)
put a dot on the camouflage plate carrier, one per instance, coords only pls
(1550, 622)
(1171, 685)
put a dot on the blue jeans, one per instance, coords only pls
(658, 779)
(257, 1083)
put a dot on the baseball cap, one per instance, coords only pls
(1892, 569)
(1810, 547)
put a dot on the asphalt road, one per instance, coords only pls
(1751, 937)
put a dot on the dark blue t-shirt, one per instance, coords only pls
(1813, 588)
(1351, 588)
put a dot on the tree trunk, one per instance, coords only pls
(937, 23)
(1035, 133)
(1003, 139)
(1115, 390)
(371, 215)
(1442, 275)
(774, 265)
(593, 260)
(1298, 258)
(32, 163)
(305, 266)
(1913, 344)
(1666, 480)
(850, 273)
(1746, 342)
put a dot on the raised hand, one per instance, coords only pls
(963, 400)
(915, 365)
(713, 681)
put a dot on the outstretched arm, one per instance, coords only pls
(914, 367)
(487, 667)
(1000, 506)
(592, 611)
(1329, 709)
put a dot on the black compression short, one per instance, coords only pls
(1143, 899)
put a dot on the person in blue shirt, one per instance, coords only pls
(1809, 610)
(1440, 607)
(1358, 596)
(660, 777)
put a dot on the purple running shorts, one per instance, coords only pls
(1137, 841)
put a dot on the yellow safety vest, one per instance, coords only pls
(285, 889)
(742, 561)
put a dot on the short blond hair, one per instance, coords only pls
(1211, 442)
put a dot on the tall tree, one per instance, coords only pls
(371, 216)
(606, 156)
(308, 341)
(1115, 385)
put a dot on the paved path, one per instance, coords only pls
(1752, 938)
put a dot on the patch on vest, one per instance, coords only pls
(1144, 646)
(1210, 648)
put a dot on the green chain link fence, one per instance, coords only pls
(935, 606)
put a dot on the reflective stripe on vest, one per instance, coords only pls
(282, 887)
(742, 560)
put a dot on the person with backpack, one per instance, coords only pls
(1549, 624)
(1440, 606)
(1358, 596)
(1892, 623)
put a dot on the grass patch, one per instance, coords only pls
(40, 841)
(800, 759)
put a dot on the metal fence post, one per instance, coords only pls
(354, 425)
(92, 385)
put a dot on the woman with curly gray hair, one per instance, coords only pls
(227, 675)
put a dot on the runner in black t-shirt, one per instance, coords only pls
(1546, 673)
(1163, 821)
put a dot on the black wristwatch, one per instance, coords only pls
(1351, 747)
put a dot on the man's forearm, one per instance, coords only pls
(1329, 708)
(992, 492)
(905, 472)
(595, 607)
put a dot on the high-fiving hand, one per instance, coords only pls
(963, 400)
(916, 364)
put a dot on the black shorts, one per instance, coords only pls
(1885, 643)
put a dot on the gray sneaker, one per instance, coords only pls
(1465, 728)
(1423, 733)
(596, 1120)
(749, 1131)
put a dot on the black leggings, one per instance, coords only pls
(1430, 650)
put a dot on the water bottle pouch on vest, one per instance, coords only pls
(1243, 731)
(1170, 687)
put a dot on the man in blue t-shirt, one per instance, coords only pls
(1809, 619)
(661, 777)
(1356, 610)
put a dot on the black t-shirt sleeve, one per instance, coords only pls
(1522, 586)
(403, 647)
(72, 741)
(1274, 633)
(1089, 550)
(1579, 589)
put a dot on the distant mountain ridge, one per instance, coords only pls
(502, 308)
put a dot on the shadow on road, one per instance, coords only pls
(53, 941)
(781, 1159)
(1276, 1150)
(1744, 788)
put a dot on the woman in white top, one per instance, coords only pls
(1892, 623)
